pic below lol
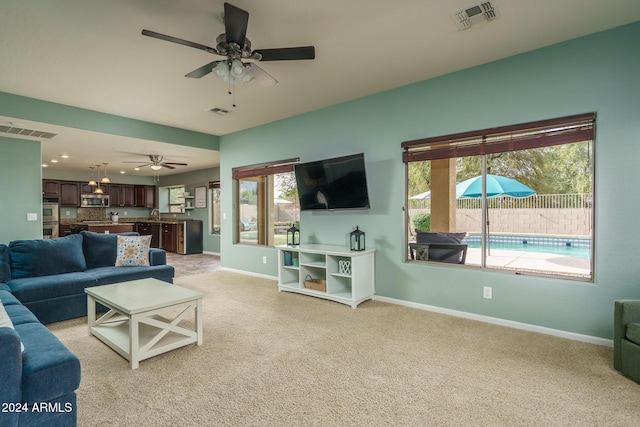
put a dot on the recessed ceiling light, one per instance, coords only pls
(54, 161)
(136, 169)
(44, 165)
(122, 172)
(64, 156)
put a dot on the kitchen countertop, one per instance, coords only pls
(124, 222)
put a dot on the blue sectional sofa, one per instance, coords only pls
(43, 281)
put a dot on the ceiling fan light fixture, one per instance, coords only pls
(238, 69)
(156, 167)
(222, 70)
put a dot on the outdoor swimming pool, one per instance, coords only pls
(573, 247)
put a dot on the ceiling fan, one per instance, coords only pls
(156, 163)
(236, 48)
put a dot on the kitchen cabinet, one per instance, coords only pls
(169, 239)
(145, 196)
(69, 194)
(50, 188)
(150, 229)
(88, 189)
(121, 195)
(65, 230)
(111, 229)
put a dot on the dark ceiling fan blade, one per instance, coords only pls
(167, 166)
(235, 24)
(203, 71)
(287, 53)
(179, 41)
(175, 164)
(261, 76)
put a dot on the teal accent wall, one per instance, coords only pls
(594, 73)
(65, 115)
(191, 180)
(20, 189)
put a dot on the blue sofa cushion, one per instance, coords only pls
(47, 287)
(20, 315)
(49, 369)
(8, 298)
(100, 250)
(5, 269)
(109, 275)
(35, 258)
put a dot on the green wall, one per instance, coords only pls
(594, 73)
(191, 180)
(20, 189)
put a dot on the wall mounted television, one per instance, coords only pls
(331, 184)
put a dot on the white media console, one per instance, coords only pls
(349, 276)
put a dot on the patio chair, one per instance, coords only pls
(626, 338)
(439, 246)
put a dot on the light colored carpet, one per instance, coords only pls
(281, 359)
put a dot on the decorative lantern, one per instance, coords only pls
(293, 236)
(357, 239)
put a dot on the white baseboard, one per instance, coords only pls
(211, 253)
(249, 273)
(502, 322)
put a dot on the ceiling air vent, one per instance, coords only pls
(483, 11)
(219, 111)
(13, 130)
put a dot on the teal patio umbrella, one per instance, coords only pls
(496, 186)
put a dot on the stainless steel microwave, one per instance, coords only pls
(94, 201)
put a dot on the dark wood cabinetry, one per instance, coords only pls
(65, 230)
(150, 229)
(145, 196)
(121, 195)
(169, 239)
(88, 189)
(50, 188)
(69, 194)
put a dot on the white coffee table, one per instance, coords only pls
(133, 325)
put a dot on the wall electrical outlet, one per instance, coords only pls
(487, 292)
(32, 216)
(124, 213)
(264, 259)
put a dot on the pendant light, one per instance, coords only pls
(105, 179)
(92, 182)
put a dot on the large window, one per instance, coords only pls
(267, 202)
(517, 198)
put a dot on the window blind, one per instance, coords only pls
(524, 136)
(264, 169)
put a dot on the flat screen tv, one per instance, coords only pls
(337, 183)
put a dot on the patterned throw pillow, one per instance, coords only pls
(133, 251)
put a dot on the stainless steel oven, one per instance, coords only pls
(50, 212)
(50, 230)
(50, 220)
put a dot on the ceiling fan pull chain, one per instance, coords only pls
(234, 91)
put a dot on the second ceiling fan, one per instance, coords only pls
(234, 45)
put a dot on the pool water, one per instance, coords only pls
(560, 248)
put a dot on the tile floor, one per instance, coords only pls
(187, 265)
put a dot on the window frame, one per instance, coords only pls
(525, 136)
(262, 173)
